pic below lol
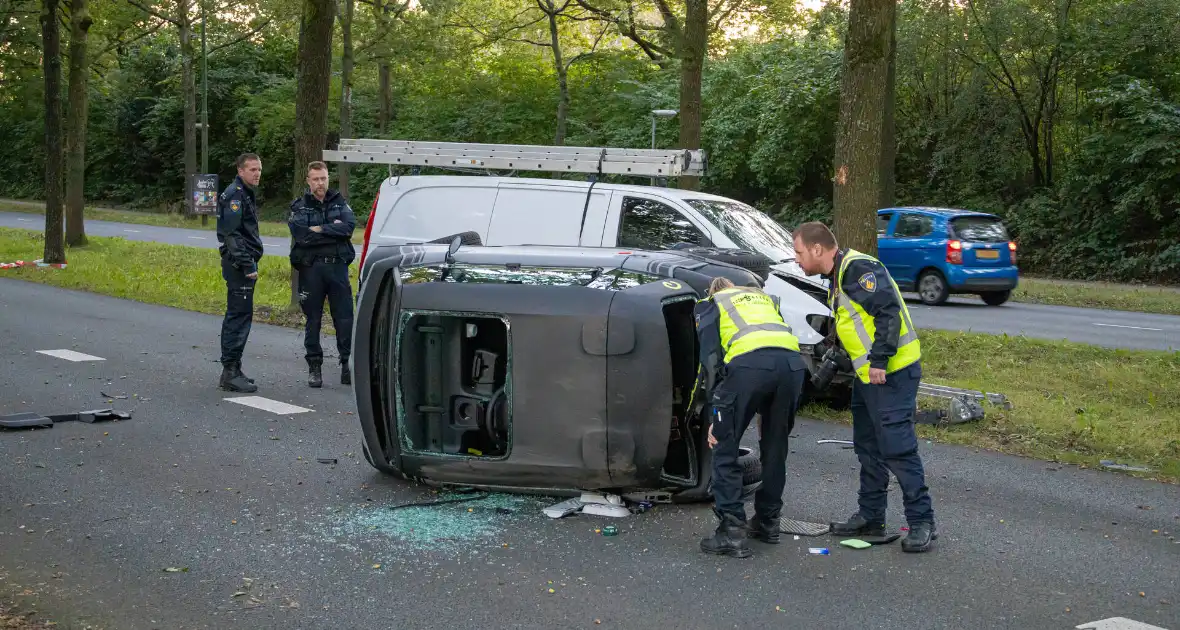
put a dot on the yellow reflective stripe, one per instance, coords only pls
(860, 362)
(858, 324)
(725, 301)
(745, 330)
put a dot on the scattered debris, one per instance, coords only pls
(115, 396)
(326, 460)
(599, 509)
(803, 528)
(610, 505)
(819, 551)
(610, 530)
(29, 420)
(846, 443)
(176, 570)
(856, 543)
(1112, 465)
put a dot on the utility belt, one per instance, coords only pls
(306, 260)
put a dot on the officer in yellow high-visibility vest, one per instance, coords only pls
(750, 358)
(874, 327)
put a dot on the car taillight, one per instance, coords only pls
(1012, 251)
(954, 252)
(368, 231)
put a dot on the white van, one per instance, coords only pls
(527, 211)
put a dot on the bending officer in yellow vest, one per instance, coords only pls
(750, 358)
(874, 327)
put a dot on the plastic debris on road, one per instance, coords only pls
(856, 543)
(819, 551)
(1113, 465)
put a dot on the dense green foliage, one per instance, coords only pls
(1062, 115)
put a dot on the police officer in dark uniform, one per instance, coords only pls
(875, 329)
(241, 249)
(321, 226)
(750, 359)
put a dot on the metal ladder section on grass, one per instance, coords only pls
(553, 159)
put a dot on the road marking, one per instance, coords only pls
(197, 238)
(1131, 327)
(70, 355)
(266, 404)
(25, 220)
(132, 231)
(1117, 623)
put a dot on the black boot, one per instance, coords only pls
(233, 380)
(238, 369)
(764, 529)
(920, 538)
(856, 525)
(727, 540)
(345, 374)
(315, 377)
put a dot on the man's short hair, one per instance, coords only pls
(247, 157)
(816, 233)
(317, 166)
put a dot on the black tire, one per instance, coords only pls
(932, 288)
(995, 298)
(753, 262)
(751, 466)
(368, 457)
(468, 238)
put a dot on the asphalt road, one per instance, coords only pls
(1115, 329)
(91, 516)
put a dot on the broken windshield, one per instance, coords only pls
(748, 228)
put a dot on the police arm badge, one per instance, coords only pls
(868, 282)
(235, 206)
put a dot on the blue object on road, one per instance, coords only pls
(937, 252)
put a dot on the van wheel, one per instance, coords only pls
(932, 288)
(468, 238)
(751, 466)
(995, 298)
(753, 262)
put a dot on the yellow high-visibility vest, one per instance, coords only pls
(856, 327)
(750, 320)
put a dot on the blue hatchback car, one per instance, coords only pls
(939, 251)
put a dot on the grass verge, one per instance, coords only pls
(169, 275)
(158, 219)
(1072, 402)
(1119, 297)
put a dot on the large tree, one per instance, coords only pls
(76, 119)
(865, 136)
(51, 63)
(346, 65)
(312, 82)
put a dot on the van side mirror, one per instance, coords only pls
(456, 243)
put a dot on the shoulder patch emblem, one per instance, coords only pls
(236, 206)
(868, 282)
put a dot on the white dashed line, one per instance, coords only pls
(266, 404)
(70, 355)
(132, 231)
(1117, 623)
(25, 220)
(198, 238)
(1131, 327)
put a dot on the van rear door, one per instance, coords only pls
(537, 214)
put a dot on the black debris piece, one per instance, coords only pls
(326, 460)
(26, 420)
(29, 420)
(115, 396)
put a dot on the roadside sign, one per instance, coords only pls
(205, 194)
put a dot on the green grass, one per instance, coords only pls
(1120, 297)
(159, 219)
(170, 275)
(1072, 402)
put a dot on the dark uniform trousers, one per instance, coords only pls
(326, 277)
(885, 441)
(239, 312)
(769, 382)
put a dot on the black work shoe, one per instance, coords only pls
(233, 380)
(766, 530)
(921, 538)
(315, 377)
(345, 374)
(238, 369)
(856, 525)
(727, 540)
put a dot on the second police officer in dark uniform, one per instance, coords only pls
(241, 249)
(875, 329)
(321, 226)
(750, 358)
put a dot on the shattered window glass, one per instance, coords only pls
(592, 277)
(619, 280)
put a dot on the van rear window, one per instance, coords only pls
(979, 230)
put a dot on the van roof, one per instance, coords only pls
(414, 181)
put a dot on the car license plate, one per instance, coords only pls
(987, 254)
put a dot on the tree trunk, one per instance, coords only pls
(51, 64)
(346, 62)
(189, 88)
(693, 48)
(563, 89)
(864, 128)
(76, 119)
(889, 133)
(312, 82)
(384, 100)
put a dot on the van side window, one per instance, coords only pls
(649, 224)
